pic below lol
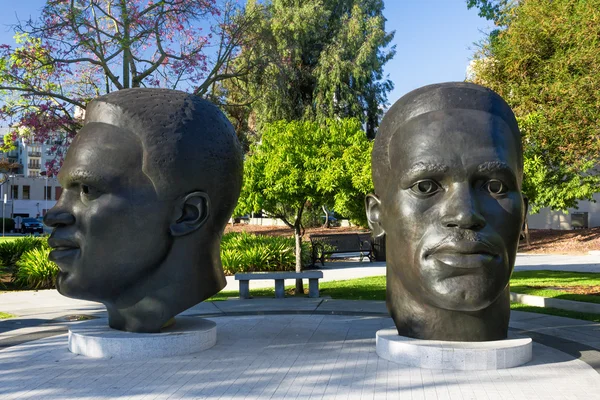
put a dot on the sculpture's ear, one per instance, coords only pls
(191, 212)
(373, 207)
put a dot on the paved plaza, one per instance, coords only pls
(287, 349)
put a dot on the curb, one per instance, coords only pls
(547, 302)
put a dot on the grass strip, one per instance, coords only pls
(556, 294)
(555, 278)
(548, 283)
(555, 311)
(373, 288)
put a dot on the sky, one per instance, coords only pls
(434, 38)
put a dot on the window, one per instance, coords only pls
(25, 192)
(57, 192)
(48, 193)
(15, 191)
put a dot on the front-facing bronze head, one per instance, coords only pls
(148, 186)
(447, 169)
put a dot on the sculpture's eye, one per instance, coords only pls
(495, 187)
(89, 192)
(426, 187)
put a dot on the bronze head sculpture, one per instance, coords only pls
(447, 169)
(149, 184)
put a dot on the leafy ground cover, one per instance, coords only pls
(577, 286)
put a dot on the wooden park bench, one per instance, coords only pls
(323, 245)
(279, 277)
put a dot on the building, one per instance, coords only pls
(587, 215)
(26, 191)
(30, 196)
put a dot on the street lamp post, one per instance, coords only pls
(45, 174)
(3, 196)
(3, 205)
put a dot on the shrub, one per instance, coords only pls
(244, 252)
(12, 250)
(35, 271)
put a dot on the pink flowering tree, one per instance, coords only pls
(80, 49)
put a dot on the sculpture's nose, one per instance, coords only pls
(58, 216)
(461, 209)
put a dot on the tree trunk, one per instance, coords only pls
(298, 236)
(527, 238)
(125, 44)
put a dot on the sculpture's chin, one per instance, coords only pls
(471, 294)
(68, 286)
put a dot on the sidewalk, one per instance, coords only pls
(343, 270)
(48, 304)
(290, 348)
(304, 348)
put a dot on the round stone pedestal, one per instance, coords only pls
(188, 335)
(439, 354)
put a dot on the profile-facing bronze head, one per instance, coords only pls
(148, 186)
(447, 169)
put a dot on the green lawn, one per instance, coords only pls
(4, 315)
(9, 238)
(548, 284)
(373, 288)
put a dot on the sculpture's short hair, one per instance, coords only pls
(188, 143)
(440, 96)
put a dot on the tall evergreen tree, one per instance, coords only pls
(318, 58)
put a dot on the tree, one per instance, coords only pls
(321, 59)
(298, 162)
(498, 11)
(80, 49)
(546, 64)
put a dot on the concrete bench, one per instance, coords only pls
(312, 276)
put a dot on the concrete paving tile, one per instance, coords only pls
(353, 306)
(262, 305)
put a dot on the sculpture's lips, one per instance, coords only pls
(62, 244)
(62, 250)
(463, 254)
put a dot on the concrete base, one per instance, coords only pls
(439, 354)
(96, 339)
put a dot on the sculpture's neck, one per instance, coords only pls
(183, 280)
(423, 321)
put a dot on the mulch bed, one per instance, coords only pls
(586, 290)
(549, 241)
(543, 241)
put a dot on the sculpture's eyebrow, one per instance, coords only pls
(82, 175)
(432, 168)
(495, 166)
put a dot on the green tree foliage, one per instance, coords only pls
(301, 162)
(318, 58)
(78, 50)
(546, 64)
(495, 10)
